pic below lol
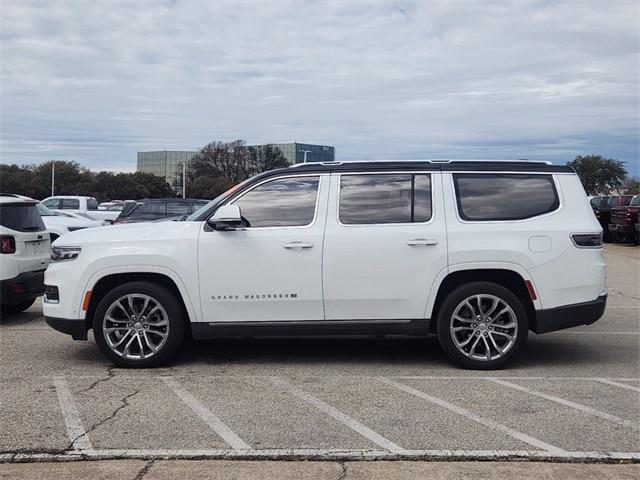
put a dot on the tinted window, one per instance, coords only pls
(175, 209)
(387, 198)
(287, 202)
(625, 201)
(504, 196)
(149, 211)
(21, 217)
(635, 201)
(92, 204)
(51, 203)
(70, 204)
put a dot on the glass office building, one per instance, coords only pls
(294, 152)
(168, 163)
(164, 163)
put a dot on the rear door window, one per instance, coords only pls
(21, 217)
(486, 197)
(178, 209)
(149, 211)
(368, 199)
(92, 204)
(70, 204)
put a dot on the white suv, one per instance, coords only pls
(24, 253)
(478, 253)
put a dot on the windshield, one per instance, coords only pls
(44, 211)
(215, 202)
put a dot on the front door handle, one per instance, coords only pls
(422, 242)
(298, 245)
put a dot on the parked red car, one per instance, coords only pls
(623, 221)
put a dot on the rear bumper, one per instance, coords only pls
(76, 328)
(569, 316)
(25, 286)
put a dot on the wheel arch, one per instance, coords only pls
(102, 284)
(506, 277)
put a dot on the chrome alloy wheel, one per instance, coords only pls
(135, 326)
(483, 327)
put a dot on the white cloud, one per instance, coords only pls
(97, 81)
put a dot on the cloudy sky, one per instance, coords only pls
(96, 81)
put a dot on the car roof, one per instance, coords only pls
(13, 199)
(68, 196)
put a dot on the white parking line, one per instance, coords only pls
(523, 437)
(617, 384)
(207, 416)
(339, 416)
(569, 403)
(75, 430)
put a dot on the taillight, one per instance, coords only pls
(7, 244)
(587, 240)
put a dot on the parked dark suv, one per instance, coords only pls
(602, 208)
(147, 210)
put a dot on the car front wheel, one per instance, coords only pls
(139, 324)
(482, 325)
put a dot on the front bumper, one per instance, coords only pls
(26, 286)
(569, 316)
(76, 328)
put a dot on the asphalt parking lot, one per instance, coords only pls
(573, 396)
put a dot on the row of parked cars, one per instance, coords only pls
(28, 228)
(618, 216)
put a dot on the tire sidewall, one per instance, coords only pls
(166, 299)
(479, 288)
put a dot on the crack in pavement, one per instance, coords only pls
(125, 403)
(143, 471)
(110, 375)
(343, 473)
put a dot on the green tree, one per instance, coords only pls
(235, 160)
(631, 186)
(598, 174)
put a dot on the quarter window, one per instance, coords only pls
(286, 202)
(504, 196)
(384, 198)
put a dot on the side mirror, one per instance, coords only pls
(226, 217)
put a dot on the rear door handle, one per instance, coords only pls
(298, 245)
(422, 242)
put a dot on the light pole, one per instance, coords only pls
(184, 179)
(53, 177)
(305, 155)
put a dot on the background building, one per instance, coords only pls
(316, 153)
(164, 163)
(168, 163)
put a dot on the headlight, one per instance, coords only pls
(62, 254)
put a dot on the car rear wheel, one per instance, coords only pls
(482, 325)
(139, 324)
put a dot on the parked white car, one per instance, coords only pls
(24, 253)
(86, 205)
(478, 253)
(58, 223)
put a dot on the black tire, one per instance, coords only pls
(176, 323)
(18, 307)
(456, 299)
